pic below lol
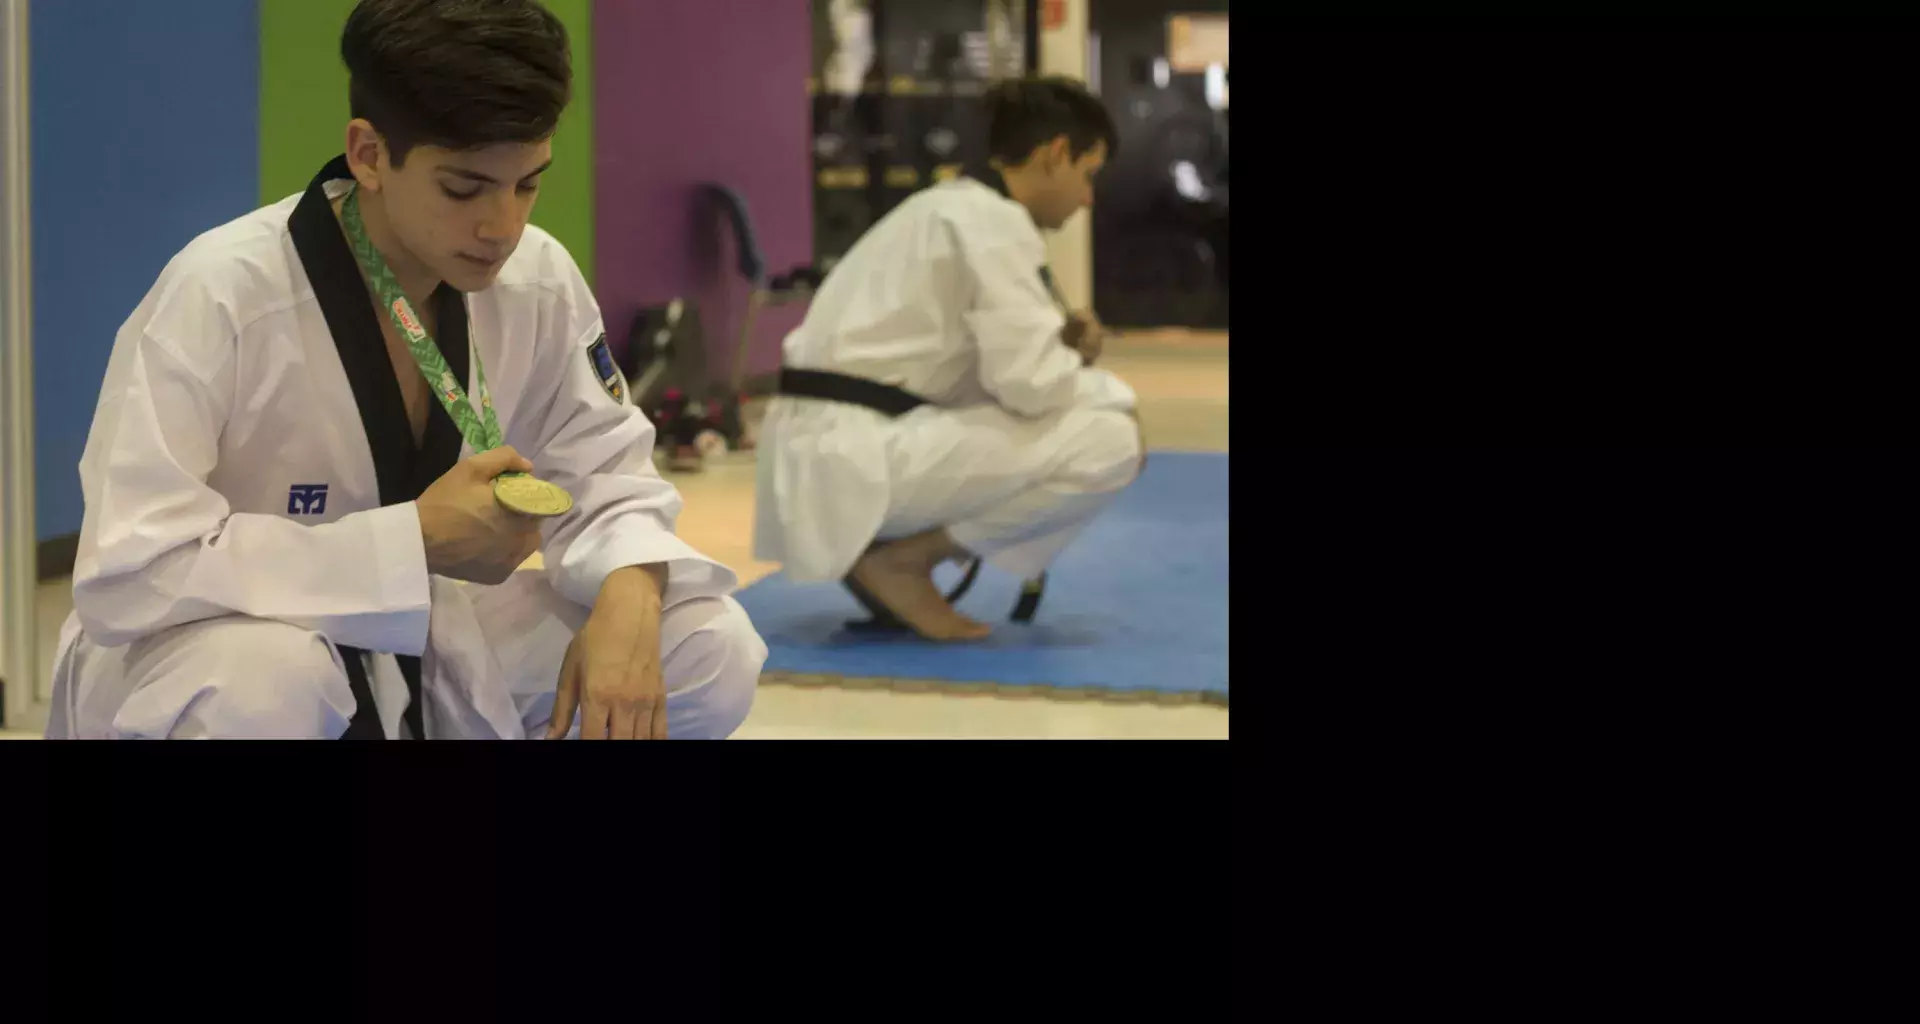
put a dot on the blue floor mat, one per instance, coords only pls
(1136, 606)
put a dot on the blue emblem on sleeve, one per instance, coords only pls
(606, 371)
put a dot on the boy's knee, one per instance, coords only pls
(235, 678)
(1110, 453)
(714, 672)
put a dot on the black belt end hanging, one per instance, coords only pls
(1029, 603)
(365, 723)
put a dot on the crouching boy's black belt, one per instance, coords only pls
(839, 387)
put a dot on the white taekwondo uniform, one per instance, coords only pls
(251, 563)
(1017, 445)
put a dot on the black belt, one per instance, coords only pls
(365, 724)
(839, 387)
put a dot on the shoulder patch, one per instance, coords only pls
(600, 359)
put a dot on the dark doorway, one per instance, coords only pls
(1160, 211)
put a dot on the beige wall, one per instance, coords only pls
(1063, 51)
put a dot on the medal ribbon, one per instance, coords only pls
(482, 430)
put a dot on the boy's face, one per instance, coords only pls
(460, 213)
(1068, 187)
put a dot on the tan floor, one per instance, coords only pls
(1182, 381)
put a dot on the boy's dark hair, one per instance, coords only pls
(1028, 112)
(460, 74)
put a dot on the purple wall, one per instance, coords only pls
(688, 91)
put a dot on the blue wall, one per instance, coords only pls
(145, 127)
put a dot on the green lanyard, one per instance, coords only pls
(482, 432)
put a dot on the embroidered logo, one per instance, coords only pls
(606, 371)
(307, 500)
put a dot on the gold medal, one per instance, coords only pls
(531, 496)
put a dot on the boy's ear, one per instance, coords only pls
(1060, 152)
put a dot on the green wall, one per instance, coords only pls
(303, 112)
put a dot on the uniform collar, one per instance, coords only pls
(402, 469)
(990, 176)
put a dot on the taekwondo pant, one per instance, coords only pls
(490, 671)
(835, 477)
(1013, 491)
